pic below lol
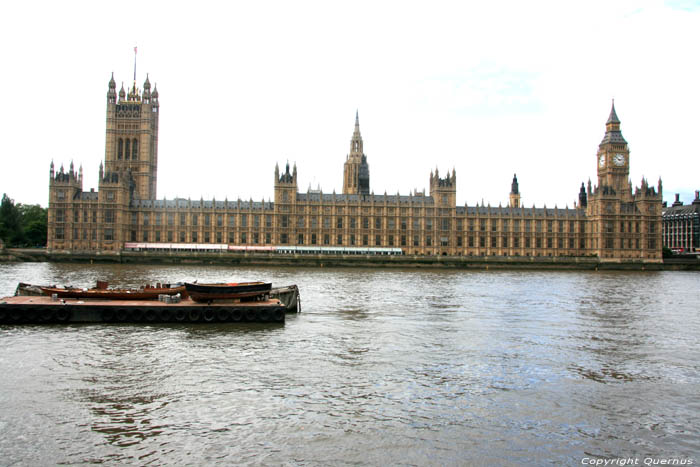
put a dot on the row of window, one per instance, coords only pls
(340, 222)
(127, 149)
(681, 228)
(627, 226)
(88, 216)
(91, 234)
(352, 239)
(61, 195)
(364, 240)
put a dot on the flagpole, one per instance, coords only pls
(135, 49)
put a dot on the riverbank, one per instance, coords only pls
(406, 261)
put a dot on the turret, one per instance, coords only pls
(363, 177)
(287, 177)
(70, 178)
(285, 185)
(444, 190)
(112, 91)
(147, 91)
(514, 193)
(582, 197)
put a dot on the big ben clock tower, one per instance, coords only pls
(624, 224)
(613, 157)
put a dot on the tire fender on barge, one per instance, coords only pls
(45, 310)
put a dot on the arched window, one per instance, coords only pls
(135, 149)
(120, 148)
(127, 152)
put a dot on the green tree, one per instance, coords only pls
(10, 222)
(34, 221)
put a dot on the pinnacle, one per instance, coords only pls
(613, 115)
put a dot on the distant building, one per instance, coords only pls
(681, 225)
(611, 220)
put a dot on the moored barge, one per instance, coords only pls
(288, 295)
(46, 310)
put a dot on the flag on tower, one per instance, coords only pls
(134, 68)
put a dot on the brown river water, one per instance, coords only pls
(381, 367)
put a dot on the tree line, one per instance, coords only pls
(22, 225)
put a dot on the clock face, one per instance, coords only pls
(601, 160)
(619, 159)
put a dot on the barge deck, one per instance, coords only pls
(45, 310)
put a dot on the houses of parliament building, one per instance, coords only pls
(611, 220)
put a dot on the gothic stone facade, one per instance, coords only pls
(612, 220)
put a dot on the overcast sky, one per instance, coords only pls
(489, 88)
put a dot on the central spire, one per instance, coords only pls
(356, 171)
(356, 141)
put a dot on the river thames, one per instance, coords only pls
(381, 367)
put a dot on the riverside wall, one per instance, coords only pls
(405, 261)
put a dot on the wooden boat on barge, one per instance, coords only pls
(146, 293)
(205, 293)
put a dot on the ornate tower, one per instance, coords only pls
(613, 157)
(623, 225)
(444, 190)
(131, 143)
(64, 188)
(285, 186)
(356, 170)
(514, 193)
